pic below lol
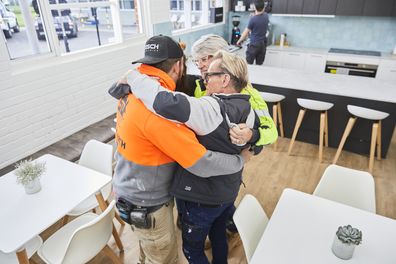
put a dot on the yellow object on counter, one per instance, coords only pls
(333, 71)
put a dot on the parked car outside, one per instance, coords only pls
(69, 23)
(8, 21)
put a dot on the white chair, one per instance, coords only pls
(351, 187)
(31, 247)
(315, 105)
(97, 156)
(81, 239)
(370, 114)
(275, 99)
(250, 220)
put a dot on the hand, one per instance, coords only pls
(240, 134)
(246, 155)
(123, 79)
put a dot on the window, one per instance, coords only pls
(63, 26)
(185, 14)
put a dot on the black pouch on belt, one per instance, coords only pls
(124, 208)
(140, 218)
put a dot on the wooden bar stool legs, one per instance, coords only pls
(298, 124)
(348, 129)
(277, 117)
(321, 134)
(374, 145)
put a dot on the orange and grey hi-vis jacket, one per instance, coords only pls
(149, 148)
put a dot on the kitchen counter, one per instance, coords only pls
(344, 85)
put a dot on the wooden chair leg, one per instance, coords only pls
(22, 257)
(372, 146)
(110, 253)
(321, 135)
(348, 129)
(65, 220)
(117, 216)
(326, 129)
(103, 206)
(275, 118)
(379, 139)
(280, 120)
(298, 124)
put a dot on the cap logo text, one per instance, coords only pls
(152, 47)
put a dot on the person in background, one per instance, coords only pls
(204, 204)
(257, 28)
(148, 150)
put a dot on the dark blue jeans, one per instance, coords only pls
(197, 223)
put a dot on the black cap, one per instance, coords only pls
(160, 48)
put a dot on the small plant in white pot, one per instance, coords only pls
(28, 174)
(345, 241)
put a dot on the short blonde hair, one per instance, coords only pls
(208, 45)
(235, 66)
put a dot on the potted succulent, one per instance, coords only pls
(28, 174)
(345, 241)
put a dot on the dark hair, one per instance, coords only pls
(259, 4)
(166, 65)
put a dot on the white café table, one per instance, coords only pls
(302, 229)
(63, 186)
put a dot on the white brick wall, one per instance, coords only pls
(62, 95)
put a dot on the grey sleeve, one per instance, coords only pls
(202, 115)
(216, 164)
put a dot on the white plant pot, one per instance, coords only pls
(342, 250)
(33, 186)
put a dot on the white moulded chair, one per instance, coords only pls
(97, 156)
(81, 240)
(31, 247)
(351, 187)
(250, 220)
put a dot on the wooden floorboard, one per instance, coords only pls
(267, 174)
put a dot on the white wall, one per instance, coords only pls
(55, 97)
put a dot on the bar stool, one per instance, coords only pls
(366, 113)
(275, 99)
(321, 106)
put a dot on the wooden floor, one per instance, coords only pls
(267, 174)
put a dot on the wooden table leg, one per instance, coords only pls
(103, 206)
(22, 257)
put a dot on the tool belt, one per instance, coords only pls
(139, 216)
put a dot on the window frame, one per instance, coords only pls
(205, 9)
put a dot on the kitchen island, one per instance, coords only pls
(340, 90)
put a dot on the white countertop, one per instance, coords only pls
(344, 85)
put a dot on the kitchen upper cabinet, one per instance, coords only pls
(350, 7)
(327, 7)
(279, 6)
(311, 7)
(378, 7)
(295, 6)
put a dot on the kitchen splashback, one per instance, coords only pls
(347, 32)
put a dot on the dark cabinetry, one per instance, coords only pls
(327, 7)
(295, 6)
(311, 6)
(279, 6)
(378, 7)
(336, 7)
(350, 7)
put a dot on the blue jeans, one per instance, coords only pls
(199, 221)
